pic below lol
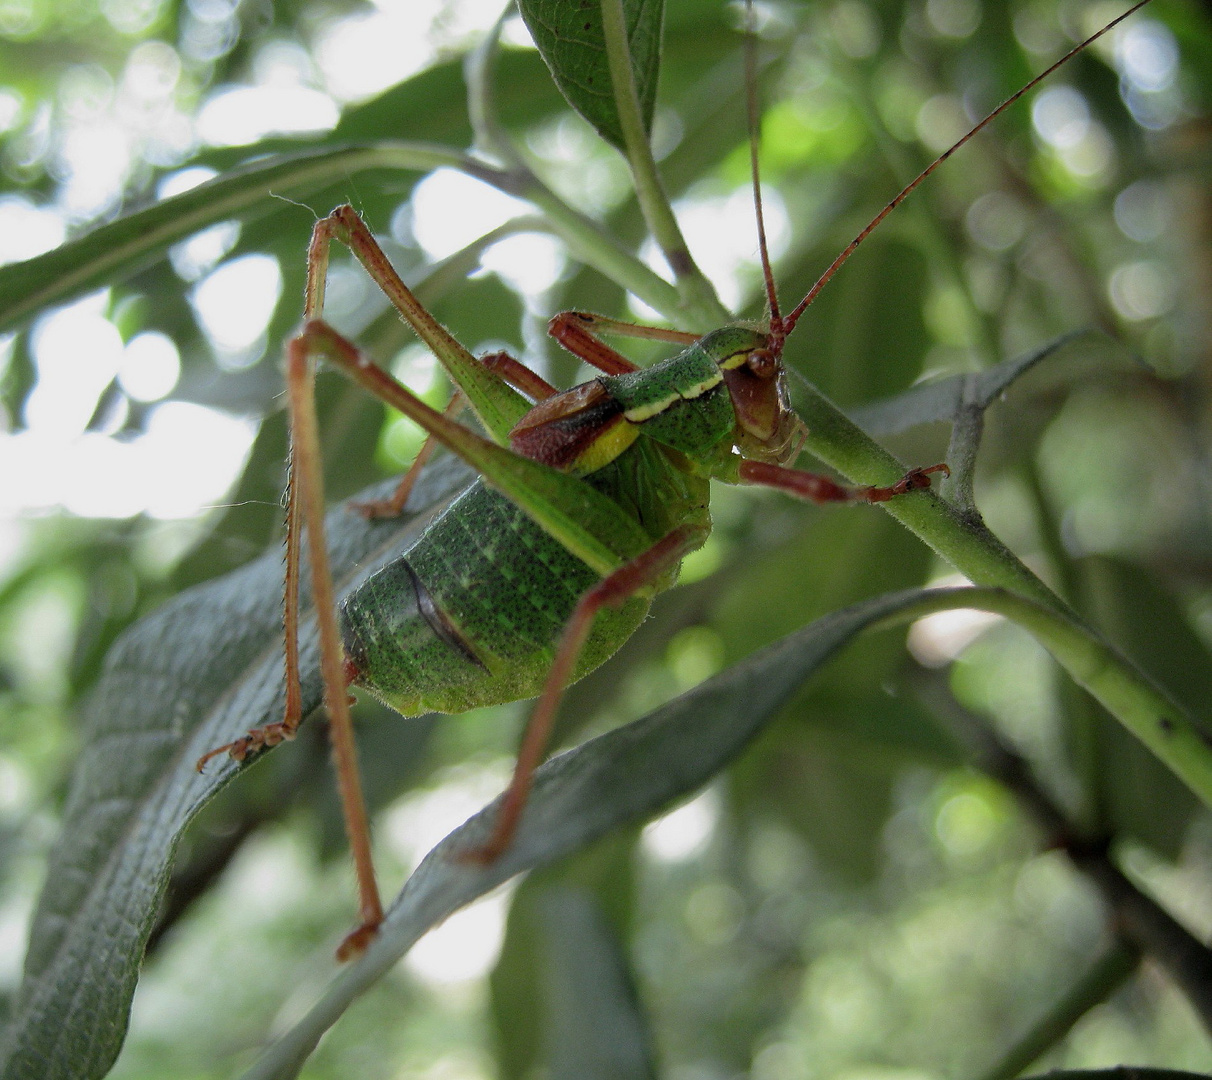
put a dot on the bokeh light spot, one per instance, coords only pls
(27, 230)
(530, 262)
(240, 115)
(451, 210)
(150, 366)
(1142, 290)
(1061, 116)
(685, 832)
(465, 947)
(235, 302)
(1147, 54)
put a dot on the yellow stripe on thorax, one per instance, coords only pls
(736, 360)
(613, 440)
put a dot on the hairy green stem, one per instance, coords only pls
(965, 542)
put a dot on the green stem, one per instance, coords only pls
(697, 295)
(963, 541)
(585, 237)
(479, 67)
(1083, 718)
(589, 243)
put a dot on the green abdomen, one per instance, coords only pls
(472, 612)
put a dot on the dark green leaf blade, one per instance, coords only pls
(626, 775)
(193, 675)
(1121, 1072)
(570, 39)
(604, 875)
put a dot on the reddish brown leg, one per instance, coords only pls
(300, 377)
(572, 328)
(272, 734)
(305, 509)
(393, 505)
(578, 332)
(285, 729)
(614, 589)
(821, 489)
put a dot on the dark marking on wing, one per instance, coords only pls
(438, 621)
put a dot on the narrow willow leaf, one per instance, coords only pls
(570, 39)
(624, 776)
(120, 248)
(193, 675)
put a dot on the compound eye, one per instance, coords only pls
(762, 363)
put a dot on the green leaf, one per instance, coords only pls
(195, 674)
(621, 777)
(571, 41)
(119, 249)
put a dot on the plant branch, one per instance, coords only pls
(590, 243)
(966, 542)
(961, 539)
(695, 290)
(1135, 917)
(478, 69)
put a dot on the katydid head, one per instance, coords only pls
(767, 429)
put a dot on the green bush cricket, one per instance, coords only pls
(588, 501)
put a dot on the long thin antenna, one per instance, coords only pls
(754, 122)
(793, 318)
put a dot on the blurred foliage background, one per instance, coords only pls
(855, 898)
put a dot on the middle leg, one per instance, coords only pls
(820, 489)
